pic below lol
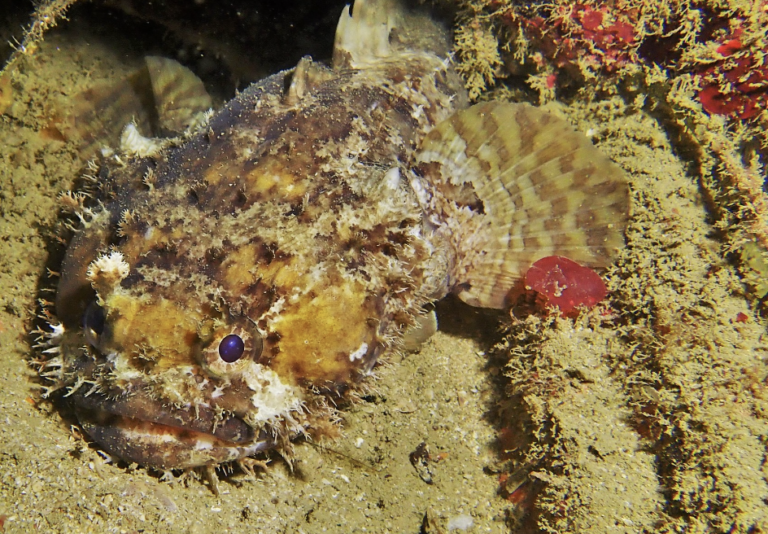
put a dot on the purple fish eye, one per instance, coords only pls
(94, 323)
(94, 318)
(231, 348)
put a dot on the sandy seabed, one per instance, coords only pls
(650, 416)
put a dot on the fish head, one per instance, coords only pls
(192, 356)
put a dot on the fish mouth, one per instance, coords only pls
(136, 428)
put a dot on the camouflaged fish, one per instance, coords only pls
(233, 281)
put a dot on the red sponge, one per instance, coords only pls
(565, 284)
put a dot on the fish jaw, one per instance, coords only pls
(168, 441)
(182, 417)
(163, 447)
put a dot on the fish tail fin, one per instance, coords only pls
(98, 115)
(511, 184)
(165, 98)
(179, 95)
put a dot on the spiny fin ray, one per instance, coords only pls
(362, 38)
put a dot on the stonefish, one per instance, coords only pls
(229, 284)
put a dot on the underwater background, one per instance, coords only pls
(646, 413)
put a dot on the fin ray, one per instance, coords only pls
(513, 184)
(363, 37)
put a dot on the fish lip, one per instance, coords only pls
(160, 446)
(140, 407)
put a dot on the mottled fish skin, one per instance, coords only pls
(304, 219)
(286, 221)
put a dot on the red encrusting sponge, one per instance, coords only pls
(565, 284)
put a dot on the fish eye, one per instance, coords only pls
(231, 348)
(94, 321)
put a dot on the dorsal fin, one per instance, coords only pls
(513, 184)
(363, 37)
(305, 77)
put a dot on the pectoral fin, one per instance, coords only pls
(511, 184)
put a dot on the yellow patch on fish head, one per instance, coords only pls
(152, 332)
(326, 337)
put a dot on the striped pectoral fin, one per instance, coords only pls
(515, 184)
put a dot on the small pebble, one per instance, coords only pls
(460, 522)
